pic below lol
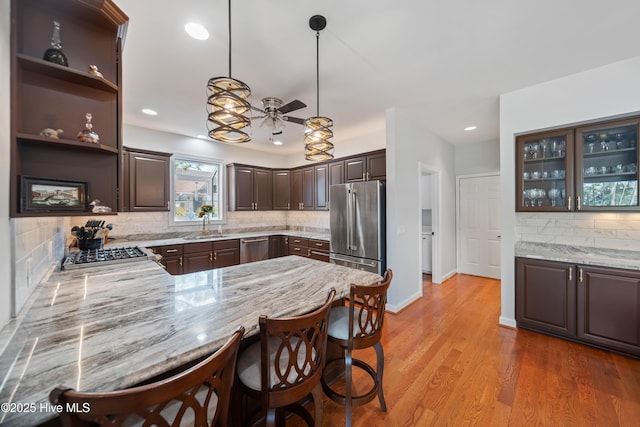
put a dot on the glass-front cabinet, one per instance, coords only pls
(587, 168)
(544, 171)
(607, 166)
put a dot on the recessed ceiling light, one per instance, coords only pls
(196, 31)
(468, 128)
(150, 112)
(201, 136)
(277, 142)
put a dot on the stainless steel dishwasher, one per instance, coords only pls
(254, 249)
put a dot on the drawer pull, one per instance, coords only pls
(170, 251)
(319, 244)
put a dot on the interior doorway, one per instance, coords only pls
(430, 223)
(478, 219)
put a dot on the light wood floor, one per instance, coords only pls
(448, 363)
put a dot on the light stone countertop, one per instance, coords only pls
(615, 258)
(112, 327)
(193, 237)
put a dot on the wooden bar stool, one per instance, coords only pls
(199, 396)
(285, 366)
(364, 317)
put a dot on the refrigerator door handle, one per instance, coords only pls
(352, 220)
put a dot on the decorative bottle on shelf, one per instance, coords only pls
(54, 53)
(88, 134)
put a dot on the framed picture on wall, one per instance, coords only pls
(52, 195)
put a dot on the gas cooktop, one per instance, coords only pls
(100, 257)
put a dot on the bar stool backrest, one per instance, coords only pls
(198, 396)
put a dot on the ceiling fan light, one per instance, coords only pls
(228, 100)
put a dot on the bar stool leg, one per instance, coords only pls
(380, 356)
(348, 362)
(318, 405)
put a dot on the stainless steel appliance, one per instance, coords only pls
(357, 217)
(100, 257)
(254, 249)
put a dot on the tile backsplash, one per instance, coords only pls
(612, 230)
(38, 244)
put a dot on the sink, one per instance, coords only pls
(205, 237)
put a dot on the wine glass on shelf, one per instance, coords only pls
(553, 196)
(540, 193)
(535, 150)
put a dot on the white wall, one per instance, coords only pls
(410, 146)
(607, 91)
(147, 139)
(480, 157)
(5, 149)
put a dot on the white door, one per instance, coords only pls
(480, 226)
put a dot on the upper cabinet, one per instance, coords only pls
(365, 168)
(50, 102)
(281, 189)
(587, 168)
(145, 184)
(250, 188)
(544, 171)
(607, 166)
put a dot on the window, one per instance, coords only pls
(196, 182)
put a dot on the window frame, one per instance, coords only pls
(222, 189)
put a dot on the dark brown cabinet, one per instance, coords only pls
(321, 191)
(319, 249)
(48, 95)
(250, 188)
(226, 253)
(587, 168)
(546, 296)
(609, 308)
(336, 173)
(172, 258)
(367, 167)
(599, 306)
(302, 188)
(281, 190)
(198, 257)
(309, 248)
(278, 246)
(145, 181)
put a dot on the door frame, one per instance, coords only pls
(436, 271)
(458, 222)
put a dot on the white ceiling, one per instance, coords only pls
(448, 59)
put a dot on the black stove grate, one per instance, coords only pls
(99, 257)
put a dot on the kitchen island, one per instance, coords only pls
(115, 326)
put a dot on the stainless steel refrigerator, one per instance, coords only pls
(357, 214)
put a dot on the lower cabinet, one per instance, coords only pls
(594, 305)
(226, 253)
(609, 308)
(201, 256)
(309, 248)
(319, 249)
(546, 296)
(278, 246)
(172, 258)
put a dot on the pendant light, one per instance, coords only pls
(317, 130)
(228, 105)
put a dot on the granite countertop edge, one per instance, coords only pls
(604, 257)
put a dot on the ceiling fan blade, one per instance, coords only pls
(294, 120)
(257, 109)
(292, 106)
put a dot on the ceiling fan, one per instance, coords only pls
(273, 112)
